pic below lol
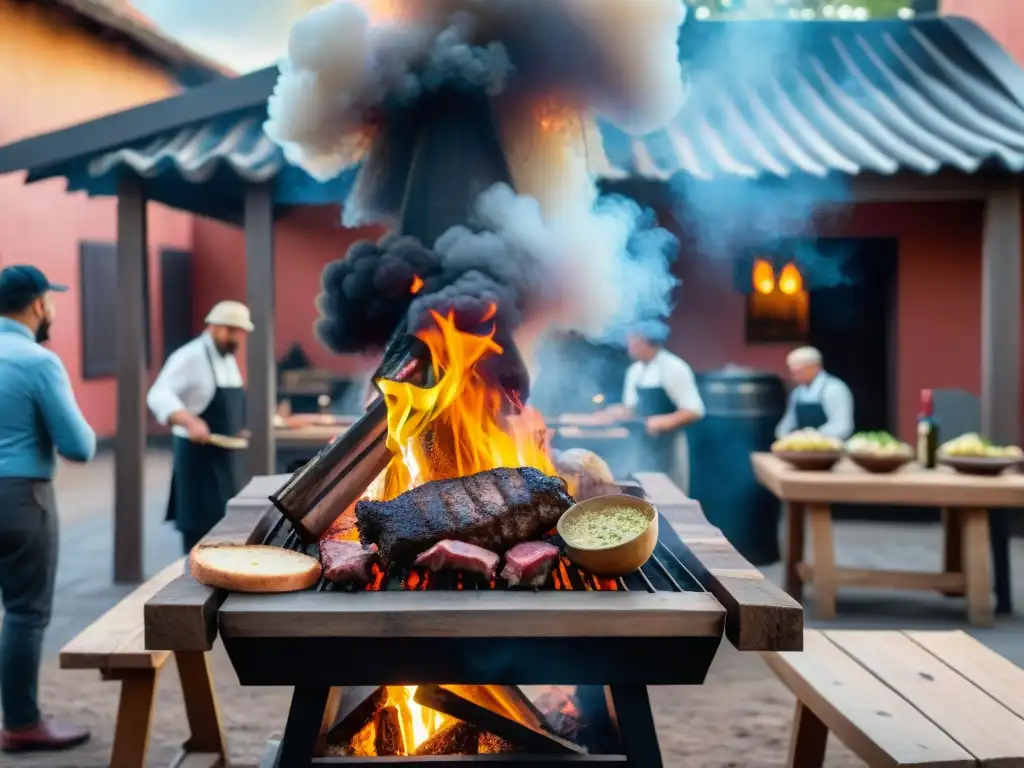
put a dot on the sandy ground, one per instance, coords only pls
(740, 717)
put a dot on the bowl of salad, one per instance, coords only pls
(878, 451)
(808, 449)
(972, 454)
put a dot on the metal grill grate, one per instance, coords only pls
(664, 572)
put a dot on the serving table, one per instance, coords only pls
(323, 641)
(965, 501)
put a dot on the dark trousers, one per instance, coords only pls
(28, 567)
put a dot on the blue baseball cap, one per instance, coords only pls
(22, 284)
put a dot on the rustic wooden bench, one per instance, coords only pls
(115, 645)
(903, 698)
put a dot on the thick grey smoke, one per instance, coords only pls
(580, 262)
(507, 258)
(616, 57)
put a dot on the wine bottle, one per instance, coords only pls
(927, 431)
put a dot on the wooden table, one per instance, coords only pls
(964, 499)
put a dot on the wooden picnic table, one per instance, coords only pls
(964, 499)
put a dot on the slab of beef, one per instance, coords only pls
(529, 564)
(496, 510)
(347, 561)
(459, 556)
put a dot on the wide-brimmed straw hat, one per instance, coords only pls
(233, 314)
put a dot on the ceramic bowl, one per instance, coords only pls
(880, 464)
(819, 461)
(978, 465)
(619, 559)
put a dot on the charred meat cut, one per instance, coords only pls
(347, 561)
(496, 510)
(460, 556)
(529, 564)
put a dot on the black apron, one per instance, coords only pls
(206, 477)
(658, 453)
(810, 414)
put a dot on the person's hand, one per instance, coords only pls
(198, 431)
(657, 424)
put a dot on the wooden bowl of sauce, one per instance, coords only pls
(611, 535)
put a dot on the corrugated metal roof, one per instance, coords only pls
(766, 99)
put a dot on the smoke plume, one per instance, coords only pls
(551, 253)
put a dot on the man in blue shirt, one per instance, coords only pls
(38, 419)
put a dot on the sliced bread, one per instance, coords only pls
(253, 568)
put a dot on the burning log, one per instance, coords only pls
(388, 738)
(474, 708)
(358, 709)
(489, 744)
(455, 738)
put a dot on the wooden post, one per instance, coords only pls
(130, 447)
(1000, 316)
(262, 384)
(1000, 352)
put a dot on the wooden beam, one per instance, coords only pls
(130, 447)
(259, 270)
(1001, 315)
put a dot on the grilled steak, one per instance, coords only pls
(496, 510)
(347, 560)
(460, 556)
(529, 564)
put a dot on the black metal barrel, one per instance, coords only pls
(743, 407)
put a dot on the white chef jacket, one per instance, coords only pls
(836, 400)
(671, 373)
(187, 380)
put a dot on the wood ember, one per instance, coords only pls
(454, 738)
(388, 740)
(489, 744)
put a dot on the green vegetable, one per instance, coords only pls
(607, 528)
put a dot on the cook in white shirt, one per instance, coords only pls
(660, 388)
(819, 401)
(199, 392)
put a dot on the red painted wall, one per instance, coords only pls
(52, 76)
(1001, 19)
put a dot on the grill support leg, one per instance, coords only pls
(302, 731)
(630, 708)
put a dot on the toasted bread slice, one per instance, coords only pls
(253, 568)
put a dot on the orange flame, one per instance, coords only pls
(455, 427)
(417, 284)
(791, 281)
(554, 116)
(763, 277)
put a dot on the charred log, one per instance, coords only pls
(358, 707)
(388, 739)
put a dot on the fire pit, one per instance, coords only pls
(497, 233)
(411, 630)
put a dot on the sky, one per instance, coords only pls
(228, 30)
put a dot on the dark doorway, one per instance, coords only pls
(176, 282)
(852, 323)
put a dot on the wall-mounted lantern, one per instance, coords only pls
(778, 305)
